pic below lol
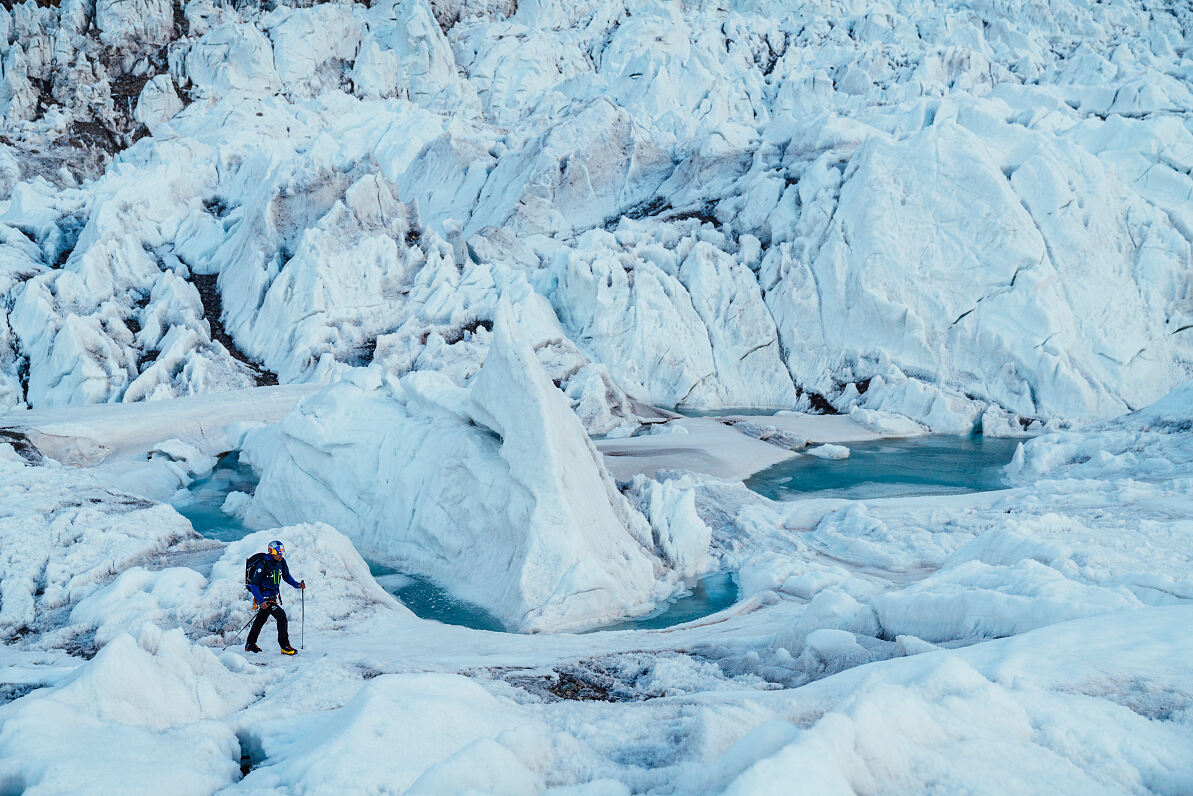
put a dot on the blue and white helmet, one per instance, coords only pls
(276, 547)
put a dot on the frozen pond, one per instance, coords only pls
(202, 502)
(934, 465)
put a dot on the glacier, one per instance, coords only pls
(797, 230)
(514, 296)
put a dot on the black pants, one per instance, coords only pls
(259, 622)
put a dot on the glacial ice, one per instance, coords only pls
(468, 236)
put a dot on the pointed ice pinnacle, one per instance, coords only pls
(493, 490)
(585, 553)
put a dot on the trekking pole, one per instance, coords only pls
(302, 627)
(238, 632)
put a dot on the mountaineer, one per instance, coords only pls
(264, 573)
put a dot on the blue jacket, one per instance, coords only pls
(265, 581)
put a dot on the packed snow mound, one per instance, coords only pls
(494, 490)
(450, 734)
(159, 681)
(136, 704)
(340, 591)
(1053, 701)
(1173, 413)
(976, 600)
(829, 452)
(824, 171)
(64, 534)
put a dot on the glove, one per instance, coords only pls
(302, 584)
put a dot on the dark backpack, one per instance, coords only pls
(250, 564)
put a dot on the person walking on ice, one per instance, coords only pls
(264, 573)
